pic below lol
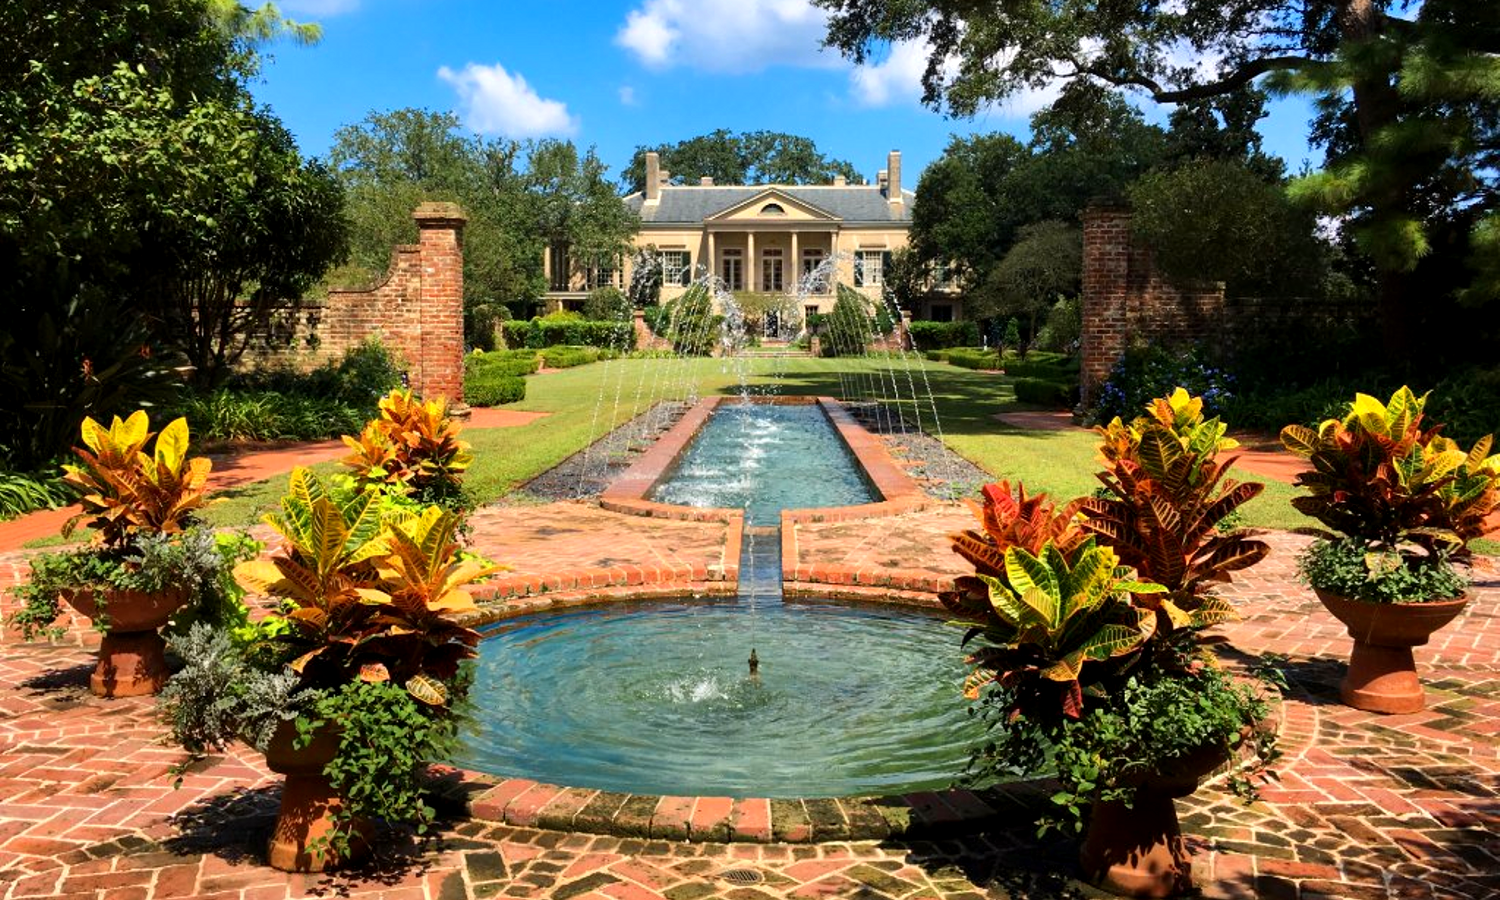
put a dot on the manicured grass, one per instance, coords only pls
(586, 402)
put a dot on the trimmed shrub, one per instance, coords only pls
(972, 358)
(1043, 392)
(492, 388)
(941, 335)
(607, 304)
(526, 363)
(555, 330)
(568, 357)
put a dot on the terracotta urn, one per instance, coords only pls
(309, 803)
(1382, 676)
(132, 655)
(1138, 850)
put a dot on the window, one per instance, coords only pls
(732, 269)
(811, 259)
(771, 272)
(772, 209)
(942, 312)
(944, 275)
(559, 267)
(603, 275)
(676, 268)
(869, 268)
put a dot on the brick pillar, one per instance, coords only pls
(1106, 275)
(438, 370)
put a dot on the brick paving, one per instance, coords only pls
(1366, 806)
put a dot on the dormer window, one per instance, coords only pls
(772, 209)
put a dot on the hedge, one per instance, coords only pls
(539, 333)
(525, 364)
(568, 357)
(491, 388)
(939, 335)
(1045, 392)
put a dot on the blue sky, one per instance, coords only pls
(618, 74)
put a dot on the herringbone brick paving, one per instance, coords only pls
(1366, 806)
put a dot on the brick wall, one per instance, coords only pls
(1126, 299)
(417, 311)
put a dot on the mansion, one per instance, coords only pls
(761, 239)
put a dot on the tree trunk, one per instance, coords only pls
(1376, 105)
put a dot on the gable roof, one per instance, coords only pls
(691, 204)
(768, 195)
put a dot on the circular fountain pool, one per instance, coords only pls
(657, 698)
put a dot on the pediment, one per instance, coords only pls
(772, 205)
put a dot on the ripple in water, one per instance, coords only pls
(656, 698)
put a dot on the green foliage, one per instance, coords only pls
(757, 157)
(689, 322)
(1148, 371)
(549, 332)
(1154, 725)
(1380, 477)
(239, 415)
(1349, 568)
(1166, 496)
(388, 739)
(364, 374)
(1064, 326)
(194, 561)
(1045, 263)
(607, 304)
(493, 388)
(411, 448)
(568, 357)
(220, 694)
(1219, 221)
(941, 335)
(848, 330)
(21, 493)
(517, 197)
(517, 362)
(1041, 392)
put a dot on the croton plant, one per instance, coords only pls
(1084, 619)
(411, 448)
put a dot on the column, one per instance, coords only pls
(713, 256)
(793, 275)
(752, 280)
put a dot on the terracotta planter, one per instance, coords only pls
(132, 656)
(1138, 850)
(308, 803)
(1382, 675)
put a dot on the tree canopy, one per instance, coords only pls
(518, 197)
(139, 186)
(1409, 96)
(756, 157)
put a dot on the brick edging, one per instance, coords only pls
(522, 802)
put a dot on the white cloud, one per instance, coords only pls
(497, 102)
(319, 8)
(898, 80)
(734, 36)
(628, 97)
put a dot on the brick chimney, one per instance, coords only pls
(653, 177)
(881, 179)
(893, 180)
(706, 181)
(839, 181)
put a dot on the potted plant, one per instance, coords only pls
(1401, 502)
(355, 684)
(149, 558)
(1100, 679)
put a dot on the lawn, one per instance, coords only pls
(587, 401)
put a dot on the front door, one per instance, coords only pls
(732, 269)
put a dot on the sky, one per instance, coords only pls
(616, 75)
